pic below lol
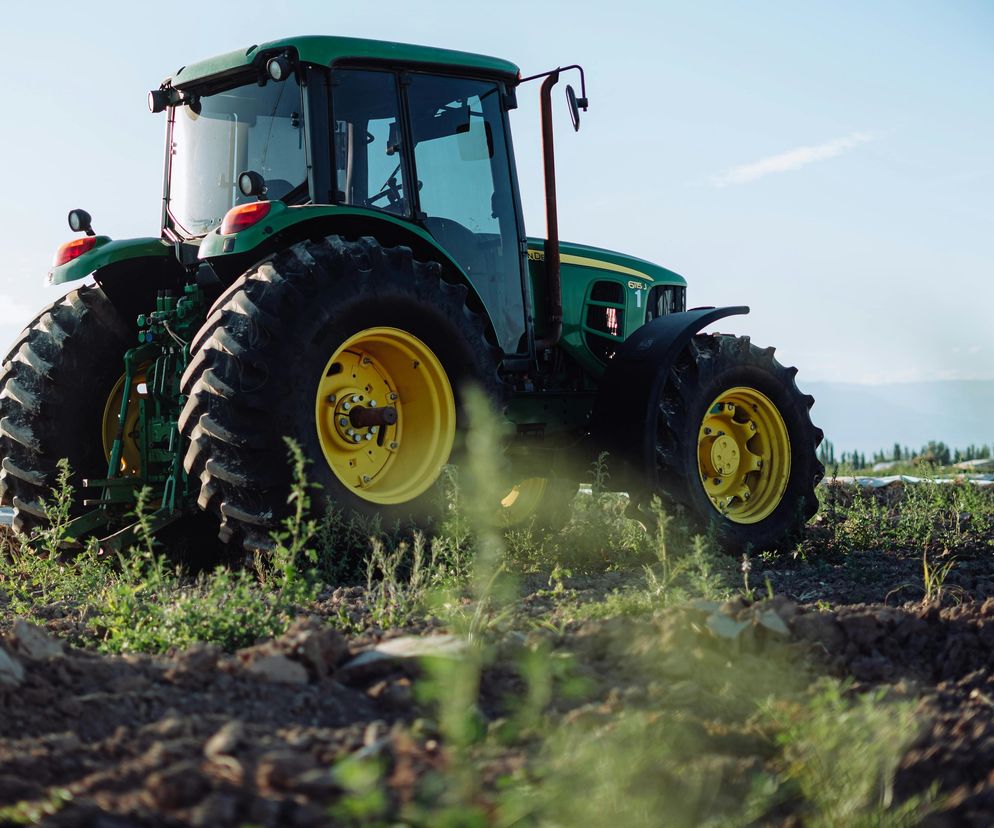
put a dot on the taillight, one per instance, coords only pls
(244, 215)
(73, 250)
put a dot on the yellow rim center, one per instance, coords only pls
(743, 455)
(130, 451)
(385, 415)
(523, 501)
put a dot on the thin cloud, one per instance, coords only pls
(791, 160)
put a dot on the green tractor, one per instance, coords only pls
(342, 255)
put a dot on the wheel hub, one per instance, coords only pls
(385, 415)
(743, 455)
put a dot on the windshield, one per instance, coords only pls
(250, 127)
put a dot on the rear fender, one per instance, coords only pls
(621, 411)
(233, 254)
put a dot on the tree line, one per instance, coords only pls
(935, 452)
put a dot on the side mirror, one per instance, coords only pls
(251, 183)
(575, 105)
(80, 222)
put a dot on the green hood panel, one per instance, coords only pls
(105, 253)
(582, 255)
(326, 50)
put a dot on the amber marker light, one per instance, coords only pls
(244, 215)
(73, 250)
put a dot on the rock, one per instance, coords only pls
(177, 787)
(431, 646)
(278, 668)
(226, 741)
(199, 660)
(11, 671)
(399, 654)
(34, 643)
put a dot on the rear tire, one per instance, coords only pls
(733, 443)
(54, 386)
(269, 358)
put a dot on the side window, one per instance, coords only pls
(369, 164)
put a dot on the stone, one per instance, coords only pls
(399, 654)
(278, 668)
(11, 671)
(34, 643)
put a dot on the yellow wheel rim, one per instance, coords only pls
(130, 452)
(523, 501)
(743, 455)
(374, 371)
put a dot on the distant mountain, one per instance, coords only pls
(867, 418)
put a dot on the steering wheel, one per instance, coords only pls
(390, 191)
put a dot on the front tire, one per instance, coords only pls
(732, 441)
(295, 347)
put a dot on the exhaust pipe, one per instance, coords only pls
(553, 284)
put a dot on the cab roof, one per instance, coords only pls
(327, 50)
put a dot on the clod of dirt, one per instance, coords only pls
(225, 741)
(11, 670)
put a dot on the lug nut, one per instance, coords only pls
(752, 426)
(717, 481)
(365, 478)
(355, 398)
(374, 429)
(393, 445)
(357, 438)
(346, 406)
(331, 399)
(393, 397)
(745, 495)
(372, 403)
(343, 422)
(369, 436)
(707, 430)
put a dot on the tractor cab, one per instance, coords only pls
(426, 147)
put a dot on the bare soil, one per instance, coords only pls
(206, 738)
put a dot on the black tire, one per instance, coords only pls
(54, 386)
(708, 368)
(251, 381)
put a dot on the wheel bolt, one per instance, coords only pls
(346, 406)
(717, 481)
(374, 429)
(707, 430)
(752, 426)
(365, 478)
(372, 403)
(393, 445)
(369, 436)
(393, 397)
(355, 398)
(745, 495)
(331, 399)
(759, 464)
(721, 433)
(357, 438)
(343, 422)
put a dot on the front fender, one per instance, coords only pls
(621, 411)
(107, 252)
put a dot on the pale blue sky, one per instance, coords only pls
(829, 164)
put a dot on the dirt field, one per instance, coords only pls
(280, 733)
